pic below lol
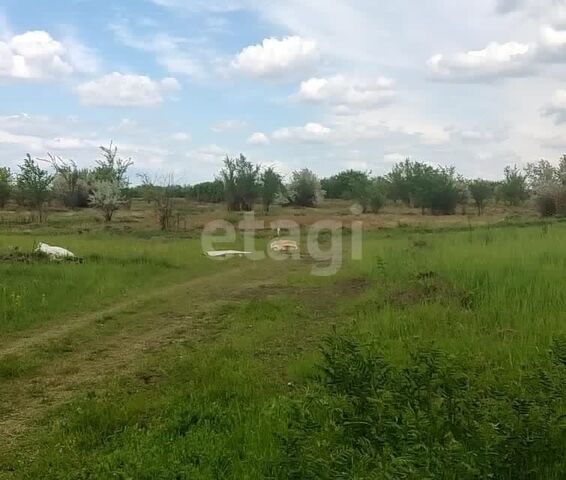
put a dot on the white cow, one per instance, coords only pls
(286, 246)
(54, 253)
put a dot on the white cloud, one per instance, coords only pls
(479, 136)
(500, 60)
(341, 90)
(552, 44)
(125, 125)
(557, 107)
(64, 143)
(394, 157)
(228, 125)
(210, 154)
(215, 6)
(172, 52)
(274, 57)
(553, 37)
(83, 59)
(388, 124)
(35, 55)
(311, 132)
(121, 90)
(181, 137)
(28, 142)
(258, 138)
(495, 61)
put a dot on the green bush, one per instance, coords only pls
(5, 186)
(435, 417)
(304, 190)
(376, 200)
(546, 204)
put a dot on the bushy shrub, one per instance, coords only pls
(106, 196)
(210, 192)
(550, 200)
(271, 187)
(5, 186)
(435, 417)
(376, 199)
(419, 185)
(77, 197)
(305, 189)
(340, 185)
(545, 203)
(34, 186)
(368, 193)
(481, 191)
(513, 189)
(241, 180)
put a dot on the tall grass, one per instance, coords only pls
(480, 308)
(114, 267)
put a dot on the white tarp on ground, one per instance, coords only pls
(227, 253)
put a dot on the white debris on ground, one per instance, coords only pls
(286, 246)
(227, 253)
(54, 253)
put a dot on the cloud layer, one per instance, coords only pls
(120, 90)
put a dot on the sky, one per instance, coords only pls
(326, 84)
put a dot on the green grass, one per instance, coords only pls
(114, 267)
(221, 404)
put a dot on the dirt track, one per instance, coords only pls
(130, 330)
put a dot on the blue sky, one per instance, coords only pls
(178, 84)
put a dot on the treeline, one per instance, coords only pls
(243, 185)
(34, 187)
(205, 192)
(435, 190)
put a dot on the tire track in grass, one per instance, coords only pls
(60, 379)
(37, 337)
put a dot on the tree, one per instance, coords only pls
(513, 189)
(399, 182)
(70, 183)
(305, 189)
(548, 198)
(271, 187)
(481, 191)
(5, 185)
(541, 174)
(340, 185)
(241, 180)
(420, 185)
(161, 194)
(112, 168)
(367, 192)
(561, 170)
(443, 191)
(376, 198)
(106, 196)
(34, 185)
(547, 183)
(211, 192)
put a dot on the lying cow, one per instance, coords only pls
(284, 246)
(54, 253)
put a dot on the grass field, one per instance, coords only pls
(150, 361)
